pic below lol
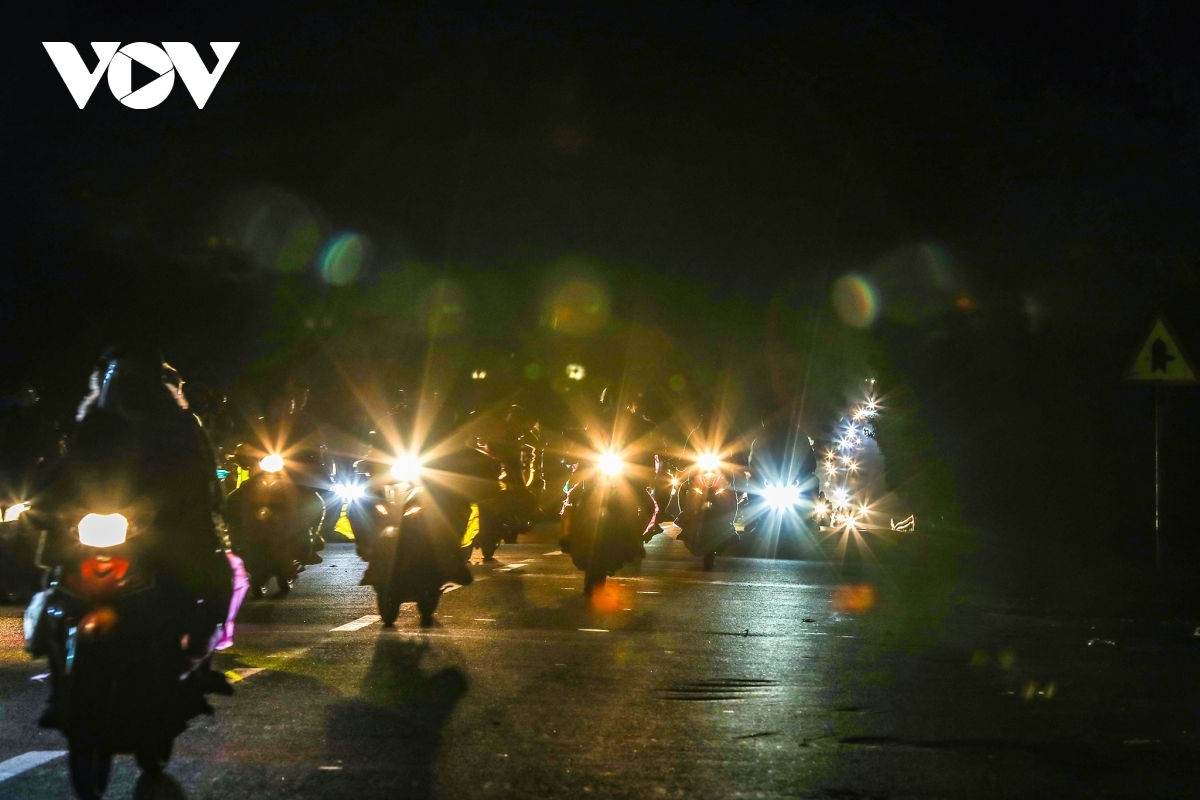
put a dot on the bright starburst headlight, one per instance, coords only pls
(610, 464)
(406, 469)
(14, 512)
(708, 462)
(781, 498)
(271, 463)
(102, 530)
(348, 492)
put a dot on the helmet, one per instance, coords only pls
(134, 379)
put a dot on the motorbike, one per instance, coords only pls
(122, 680)
(514, 508)
(273, 524)
(782, 500)
(20, 577)
(608, 514)
(408, 527)
(708, 506)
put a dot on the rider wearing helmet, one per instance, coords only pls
(137, 446)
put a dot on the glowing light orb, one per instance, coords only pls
(677, 383)
(444, 309)
(579, 307)
(854, 598)
(274, 228)
(298, 246)
(341, 259)
(855, 301)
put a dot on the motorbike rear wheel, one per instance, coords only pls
(152, 755)
(90, 764)
(593, 580)
(427, 605)
(389, 605)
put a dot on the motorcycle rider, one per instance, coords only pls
(596, 545)
(28, 439)
(135, 444)
(458, 474)
(290, 424)
(514, 444)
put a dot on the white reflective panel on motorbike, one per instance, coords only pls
(13, 512)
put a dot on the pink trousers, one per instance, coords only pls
(241, 585)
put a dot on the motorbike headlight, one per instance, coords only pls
(348, 492)
(406, 469)
(271, 463)
(14, 512)
(781, 498)
(102, 530)
(708, 462)
(610, 464)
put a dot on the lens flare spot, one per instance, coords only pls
(274, 228)
(611, 598)
(854, 300)
(677, 383)
(854, 598)
(578, 307)
(342, 258)
(444, 310)
(298, 247)
(533, 371)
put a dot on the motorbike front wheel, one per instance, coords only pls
(90, 764)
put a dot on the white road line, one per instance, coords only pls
(553, 553)
(358, 624)
(27, 761)
(452, 587)
(595, 630)
(240, 674)
(288, 655)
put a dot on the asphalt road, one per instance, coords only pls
(759, 679)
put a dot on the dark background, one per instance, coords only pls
(1015, 185)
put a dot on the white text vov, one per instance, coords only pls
(117, 62)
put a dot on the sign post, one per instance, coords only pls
(1160, 361)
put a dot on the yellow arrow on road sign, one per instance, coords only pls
(1161, 359)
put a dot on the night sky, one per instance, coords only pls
(986, 205)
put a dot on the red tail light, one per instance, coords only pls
(102, 575)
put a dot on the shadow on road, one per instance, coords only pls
(390, 735)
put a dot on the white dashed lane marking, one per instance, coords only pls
(27, 761)
(358, 624)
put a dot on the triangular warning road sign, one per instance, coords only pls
(1161, 359)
